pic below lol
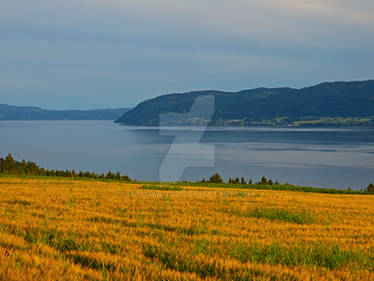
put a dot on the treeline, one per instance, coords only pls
(264, 182)
(216, 178)
(9, 166)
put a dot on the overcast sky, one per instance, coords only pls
(115, 53)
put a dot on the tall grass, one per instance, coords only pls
(162, 187)
(316, 254)
(280, 187)
(84, 230)
(54, 238)
(302, 217)
(313, 254)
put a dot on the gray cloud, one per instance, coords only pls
(116, 53)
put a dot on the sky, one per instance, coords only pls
(86, 54)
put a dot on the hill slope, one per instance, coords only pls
(345, 102)
(11, 112)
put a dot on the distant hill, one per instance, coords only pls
(11, 112)
(336, 103)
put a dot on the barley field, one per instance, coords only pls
(59, 229)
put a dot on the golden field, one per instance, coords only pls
(59, 229)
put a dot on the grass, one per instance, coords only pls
(337, 121)
(18, 202)
(284, 187)
(87, 230)
(162, 187)
(315, 254)
(303, 217)
(312, 255)
(54, 238)
(280, 187)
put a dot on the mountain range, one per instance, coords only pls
(332, 103)
(11, 112)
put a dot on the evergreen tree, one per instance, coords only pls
(216, 178)
(264, 181)
(9, 166)
(370, 188)
(242, 181)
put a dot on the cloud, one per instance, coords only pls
(360, 12)
(305, 23)
(131, 50)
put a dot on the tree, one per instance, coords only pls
(10, 166)
(370, 188)
(264, 181)
(216, 178)
(242, 181)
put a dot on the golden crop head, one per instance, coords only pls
(61, 229)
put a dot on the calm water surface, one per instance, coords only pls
(312, 157)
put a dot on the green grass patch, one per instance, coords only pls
(204, 246)
(162, 187)
(169, 255)
(54, 238)
(303, 217)
(313, 254)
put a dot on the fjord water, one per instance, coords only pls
(313, 157)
